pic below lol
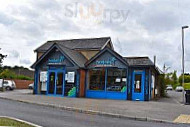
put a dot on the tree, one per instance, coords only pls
(162, 85)
(174, 77)
(7, 74)
(186, 78)
(1, 60)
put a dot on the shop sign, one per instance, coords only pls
(138, 71)
(56, 61)
(109, 62)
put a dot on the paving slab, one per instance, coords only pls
(154, 110)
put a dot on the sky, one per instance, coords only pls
(136, 27)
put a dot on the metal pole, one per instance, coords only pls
(183, 63)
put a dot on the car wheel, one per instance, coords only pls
(8, 88)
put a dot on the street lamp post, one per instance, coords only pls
(183, 61)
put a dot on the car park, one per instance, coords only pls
(9, 84)
(179, 89)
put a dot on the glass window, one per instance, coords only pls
(96, 79)
(138, 80)
(70, 87)
(116, 80)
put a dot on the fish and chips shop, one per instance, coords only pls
(91, 68)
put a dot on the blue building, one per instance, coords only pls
(91, 68)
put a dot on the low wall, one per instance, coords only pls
(22, 84)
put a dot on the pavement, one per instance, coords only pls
(54, 117)
(164, 110)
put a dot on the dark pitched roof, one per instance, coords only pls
(77, 57)
(73, 55)
(139, 61)
(86, 43)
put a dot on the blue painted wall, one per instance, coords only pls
(106, 95)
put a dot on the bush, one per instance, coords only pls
(186, 79)
(22, 77)
(187, 86)
(162, 85)
(7, 74)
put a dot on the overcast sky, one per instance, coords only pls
(137, 27)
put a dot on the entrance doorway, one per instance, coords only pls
(56, 82)
(138, 86)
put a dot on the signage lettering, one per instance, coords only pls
(109, 62)
(60, 60)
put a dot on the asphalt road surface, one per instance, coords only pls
(52, 117)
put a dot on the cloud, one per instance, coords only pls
(14, 54)
(25, 62)
(152, 28)
(6, 19)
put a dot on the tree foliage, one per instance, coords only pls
(186, 78)
(1, 60)
(8, 74)
(162, 85)
(174, 77)
(171, 79)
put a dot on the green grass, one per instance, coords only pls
(13, 123)
(187, 86)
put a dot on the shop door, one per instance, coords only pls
(138, 86)
(56, 82)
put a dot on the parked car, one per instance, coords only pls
(9, 84)
(31, 86)
(179, 89)
(169, 88)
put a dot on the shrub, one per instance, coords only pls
(7, 74)
(162, 85)
(22, 77)
(187, 86)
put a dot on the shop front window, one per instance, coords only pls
(97, 79)
(116, 80)
(138, 80)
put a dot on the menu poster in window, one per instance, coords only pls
(124, 79)
(118, 80)
(43, 86)
(66, 77)
(1, 83)
(138, 85)
(43, 76)
(71, 77)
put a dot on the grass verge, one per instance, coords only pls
(12, 123)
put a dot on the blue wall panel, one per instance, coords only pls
(95, 94)
(116, 95)
(106, 95)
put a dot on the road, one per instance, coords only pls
(173, 97)
(52, 117)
